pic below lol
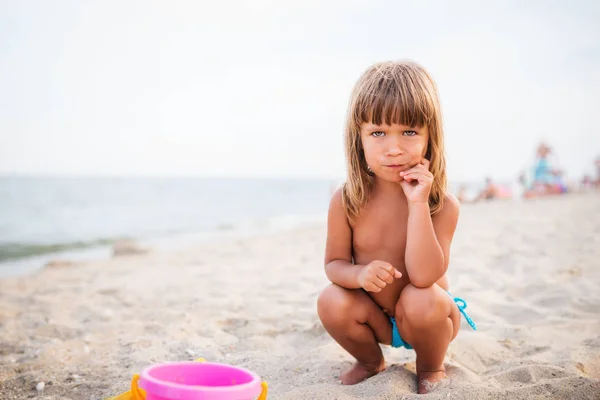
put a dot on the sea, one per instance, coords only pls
(77, 218)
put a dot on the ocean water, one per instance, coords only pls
(42, 218)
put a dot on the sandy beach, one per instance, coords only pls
(530, 272)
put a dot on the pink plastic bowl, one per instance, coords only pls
(199, 381)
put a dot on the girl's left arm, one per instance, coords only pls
(428, 241)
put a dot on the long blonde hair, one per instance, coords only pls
(399, 92)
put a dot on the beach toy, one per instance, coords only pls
(134, 394)
(192, 380)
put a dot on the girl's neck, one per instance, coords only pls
(393, 188)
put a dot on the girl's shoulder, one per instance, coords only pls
(337, 213)
(451, 200)
(450, 207)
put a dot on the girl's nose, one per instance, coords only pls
(395, 150)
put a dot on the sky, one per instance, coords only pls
(260, 88)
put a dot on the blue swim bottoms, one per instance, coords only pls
(397, 340)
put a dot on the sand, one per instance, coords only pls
(529, 271)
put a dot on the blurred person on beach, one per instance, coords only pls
(547, 178)
(521, 186)
(390, 227)
(492, 191)
(587, 182)
(489, 191)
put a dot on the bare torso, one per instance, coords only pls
(380, 234)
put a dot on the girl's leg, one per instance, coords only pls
(428, 320)
(353, 319)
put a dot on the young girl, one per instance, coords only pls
(390, 227)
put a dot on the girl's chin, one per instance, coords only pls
(390, 178)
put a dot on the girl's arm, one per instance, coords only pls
(338, 250)
(428, 241)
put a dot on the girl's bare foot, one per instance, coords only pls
(359, 372)
(428, 379)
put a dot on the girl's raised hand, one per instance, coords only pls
(416, 182)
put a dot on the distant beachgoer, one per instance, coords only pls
(489, 192)
(521, 188)
(587, 182)
(547, 179)
(494, 191)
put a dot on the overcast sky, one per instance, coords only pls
(260, 88)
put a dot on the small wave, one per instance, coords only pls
(226, 227)
(14, 251)
(290, 221)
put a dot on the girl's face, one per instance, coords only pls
(390, 149)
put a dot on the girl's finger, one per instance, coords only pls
(414, 175)
(372, 288)
(385, 276)
(379, 283)
(421, 178)
(425, 174)
(404, 173)
(418, 167)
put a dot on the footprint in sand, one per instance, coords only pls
(232, 325)
(532, 374)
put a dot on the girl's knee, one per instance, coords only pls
(335, 303)
(421, 306)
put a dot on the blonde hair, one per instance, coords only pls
(398, 92)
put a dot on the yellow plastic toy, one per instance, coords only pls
(134, 394)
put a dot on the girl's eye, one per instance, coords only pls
(410, 133)
(378, 134)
